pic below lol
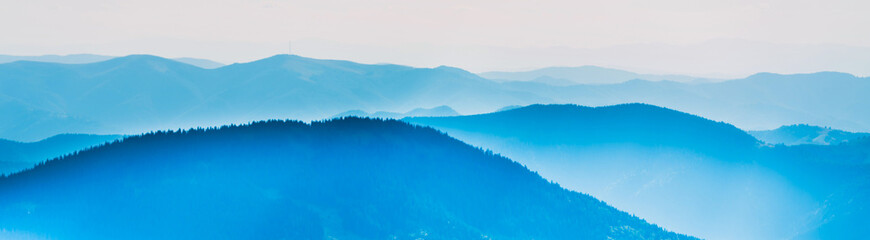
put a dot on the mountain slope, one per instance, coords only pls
(806, 134)
(346, 179)
(16, 156)
(676, 169)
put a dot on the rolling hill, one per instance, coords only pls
(687, 173)
(347, 178)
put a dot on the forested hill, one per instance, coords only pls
(348, 178)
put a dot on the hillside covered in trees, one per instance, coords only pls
(347, 178)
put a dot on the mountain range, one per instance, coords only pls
(348, 178)
(687, 173)
(140, 93)
(759, 102)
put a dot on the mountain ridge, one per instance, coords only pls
(167, 94)
(48, 99)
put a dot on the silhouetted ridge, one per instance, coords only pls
(348, 178)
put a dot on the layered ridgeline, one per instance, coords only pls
(17, 156)
(806, 134)
(689, 174)
(348, 178)
(760, 101)
(139, 93)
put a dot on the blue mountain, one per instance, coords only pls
(140, 92)
(17, 156)
(761, 101)
(347, 178)
(685, 172)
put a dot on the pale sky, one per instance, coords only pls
(476, 35)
